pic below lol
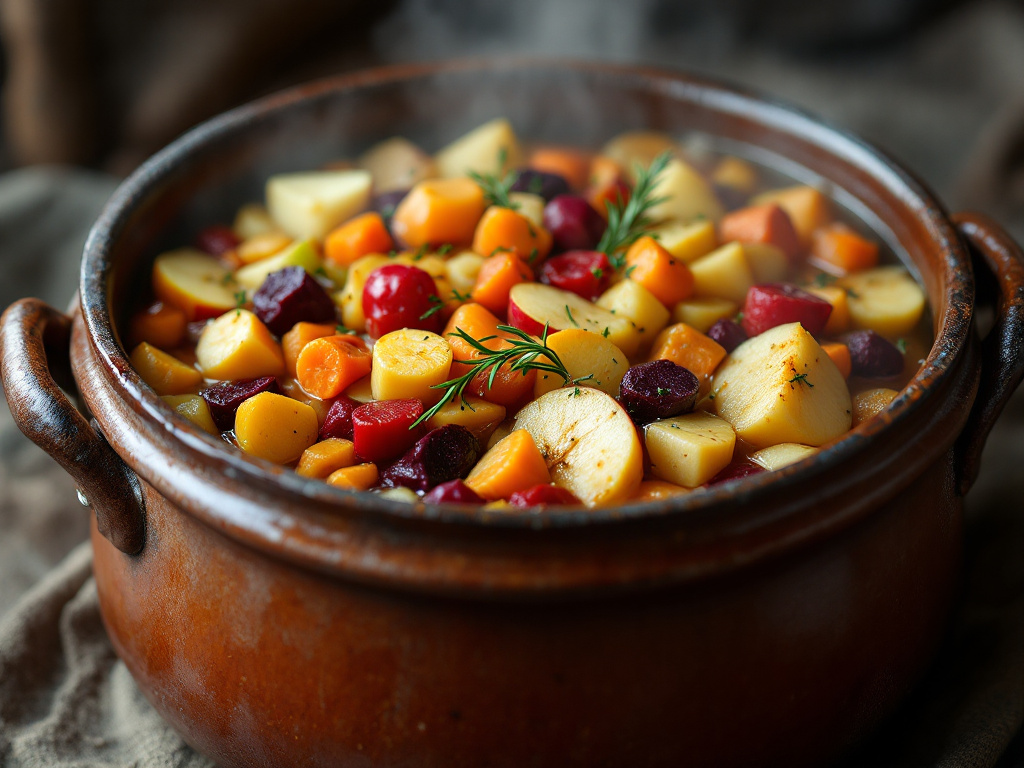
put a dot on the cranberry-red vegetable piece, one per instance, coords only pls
(573, 223)
(338, 421)
(542, 495)
(735, 471)
(519, 319)
(289, 296)
(443, 454)
(381, 428)
(773, 304)
(728, 333)
(399, 296)
(657, 390)
(547, 185)
(453, 492)
(873, 356)
(217, 240)
(224, 398)
(585, 273)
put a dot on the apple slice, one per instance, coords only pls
(782, 455)
(301, 254)
(588, 442)
(490, 148)
(531, 305)
(687, 195)
(194, 282)
(312, 204)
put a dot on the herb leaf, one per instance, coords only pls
(496, 191)
(627, 221)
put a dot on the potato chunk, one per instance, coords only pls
(781, 387)
(689, 450)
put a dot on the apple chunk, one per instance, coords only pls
(588, 442)
(531, 305)
(312, 204)
(781, 387)
(193, 282)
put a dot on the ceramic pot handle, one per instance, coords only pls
(996, 255)
(34, 366)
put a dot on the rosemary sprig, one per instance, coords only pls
(627, 221)
(524, 354)
(496, 190)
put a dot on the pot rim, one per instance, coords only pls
(951, 328)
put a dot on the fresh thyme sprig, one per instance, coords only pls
(525, 354)
(496, 190)
(627, 221)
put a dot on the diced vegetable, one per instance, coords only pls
(702, 313)
(657, 390)
(360, 477)
(885, 300)
(238, 346)
(502, 230)
(326, 457)
(224, 398)
(301, 254)
(491, 148)
(193, 282)
(766, 223)
(691, 449)
(782, 455)
(397, 163)
(439, 211)
(688, 347)
(591, 360)
(409, 363)
(358, 237)
(657, 270)
(443, 454)
(311, 204)
(193, 408)
(513, 464)
(647, 314)
(275, 427)
(382, 429)
(479, 416)
(723, 273)
(327, 366)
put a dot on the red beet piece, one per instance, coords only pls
(873, 356)
(217, 240)
(573, 223)
(657, 390)
(773, 304)
(585, 273)
(225, 397)
(728, 333)
(547, 185)
(542, 495)
(338, 421)
(400, 296)
(289, 296)
(453, 492)
(735, 471)
(381, 429)
(443, 454)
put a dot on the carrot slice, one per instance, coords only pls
(160, 325)
(326, 366)
(439, 211)
(513, 464)
(365, 234)
(766, 223)
(502, 229)
(573, 165)
(688, 347)
(322, 459)
(657, 270)
(836, 247)
(361, 477)
(496, 277)
(299, 336)
(840, 355)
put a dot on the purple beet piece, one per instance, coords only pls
(547, 185)
(443, 454)
(657, 390)
(338, 421)
(728, 333)
(453, 492)
(224, 398)
(735, 471)
(386, 202)
(289, 296)
(873, 356)
(194, 330)
(573, 223)
(543, 495)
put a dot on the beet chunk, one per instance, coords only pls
(382, 429)
(547, 185)
(873, 356)
(544, 494)
(657, 390)
(585, 273)
(453, 492)
(217, 240)
(573, 223)
(338, 421)
(773, 304)
(289, 296)
(728, 333)
(224, 398)
(443, 454)
(735, 471)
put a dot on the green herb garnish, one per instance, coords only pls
(801, 378)
(901, 345)
(572, 319)
(627, 221)
(496, 191)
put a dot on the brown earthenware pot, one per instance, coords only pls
(276, 621)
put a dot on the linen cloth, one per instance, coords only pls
(949, 102)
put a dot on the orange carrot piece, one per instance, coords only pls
(326, 366)
(513, 464)
(439, 211)
(159, 324)
(326, 457)
(837, 248)
(504, 230)
(496, 277)
(361, 477)
(840, 355)
(573, 165)
(807, 207)
(365, 234)
(688, 347)
(839, 321)
(657, 270)
(299, 336)
(767, 223)
(510, 388)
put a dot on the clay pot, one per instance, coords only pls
(276, 621)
